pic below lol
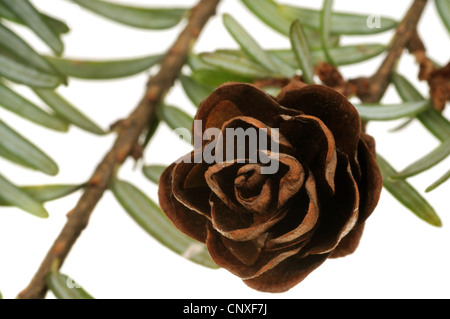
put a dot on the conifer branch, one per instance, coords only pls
(128, 133)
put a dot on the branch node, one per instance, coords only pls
(95, 180)
(153, 94)
(59, 249)
(119, 125)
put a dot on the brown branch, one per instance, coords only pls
(330, 76)
(129, 132)
(438, 79)
(416, 47)
(371, 90)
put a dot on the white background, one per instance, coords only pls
(400, 256)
